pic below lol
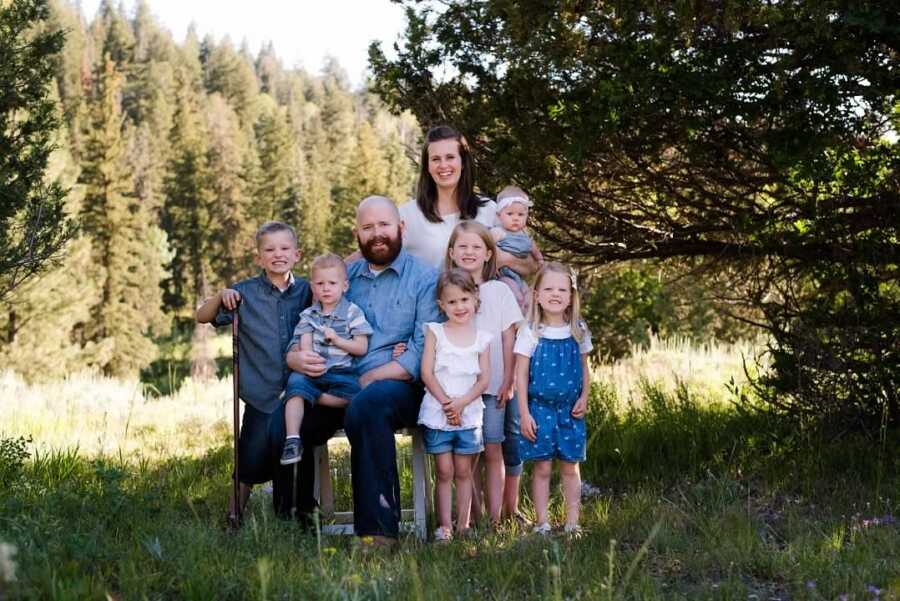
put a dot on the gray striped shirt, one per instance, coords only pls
(347, 320)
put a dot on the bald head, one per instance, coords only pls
(380, 204)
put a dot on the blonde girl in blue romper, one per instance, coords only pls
(552, 382)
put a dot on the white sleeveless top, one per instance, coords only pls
(428, 241)
(456, 369)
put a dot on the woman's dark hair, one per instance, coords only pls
(426, 189)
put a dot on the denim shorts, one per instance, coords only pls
(342, 383)
(460, 442)
(502, 426)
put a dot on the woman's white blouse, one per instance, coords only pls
(427, 240)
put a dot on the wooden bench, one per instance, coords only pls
(341, 522)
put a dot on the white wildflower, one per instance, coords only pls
(7, 565)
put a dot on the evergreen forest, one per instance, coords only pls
(169, 155)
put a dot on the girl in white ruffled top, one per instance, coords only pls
(455, 371)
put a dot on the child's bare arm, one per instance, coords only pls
(427, 372)
(524, 267)
(356, 346)
(536, 253)
(497, 234)
(526, 422)
(507, 387)
(580, 408)
(208, 310)
(306, 341)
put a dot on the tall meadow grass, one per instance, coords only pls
(701, 496)
(670, 363)
(105, 416)
(101, 415)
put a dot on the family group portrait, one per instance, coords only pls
(450, 299)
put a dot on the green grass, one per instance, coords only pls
(699, 503)
(701, 498)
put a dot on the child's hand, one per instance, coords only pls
(507, 392)
(528, 427)
(457, 407)
(450, 412)
(230, 298)
(399, 349)
(329, 335)
(580, 407)
(452, 416)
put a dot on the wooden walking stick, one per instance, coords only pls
(236, 379)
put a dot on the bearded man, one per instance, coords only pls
(396, 291)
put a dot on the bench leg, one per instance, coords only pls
(323, 488)
(421, 486)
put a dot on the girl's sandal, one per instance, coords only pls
(442, 535)
(573, 531)
(542, 529)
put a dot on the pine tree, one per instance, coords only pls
(315, 194)
(228, 73)
(367, 174)
(70, 67)
(231, 250)
(40, 324)
(150, 81)
(128, 250)
(189, 200)
(33, 226)
(275, 196)
(338, 118)
(271, 74)
(113, 35)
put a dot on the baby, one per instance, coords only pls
(510, 236)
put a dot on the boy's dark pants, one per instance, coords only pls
(319, 424)
(371, 419)
(261, 444)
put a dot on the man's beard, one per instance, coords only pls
(383, 256)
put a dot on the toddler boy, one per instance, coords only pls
(336, 329)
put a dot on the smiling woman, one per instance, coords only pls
(445, 195)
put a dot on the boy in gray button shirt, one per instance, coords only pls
(270, 304)
(336, 329)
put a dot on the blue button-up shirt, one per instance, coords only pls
(268, 317)
(397, 301)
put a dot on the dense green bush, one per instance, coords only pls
(13, 455)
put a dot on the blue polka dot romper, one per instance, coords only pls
(554, 384)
